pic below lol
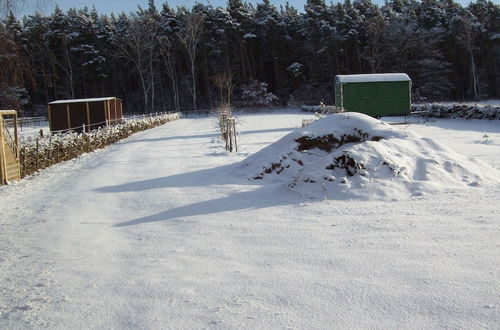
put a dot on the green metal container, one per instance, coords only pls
(381, 94)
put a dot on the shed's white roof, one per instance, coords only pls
(375, 77)
(99, 99)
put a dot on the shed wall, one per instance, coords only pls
(97, 115)
(78, 115)
(58, 117)
(93, 114)
(375, 98)
(112, 110)
(115, 110)
(120, 108)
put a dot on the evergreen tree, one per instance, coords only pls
(449, 51)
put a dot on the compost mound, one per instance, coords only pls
(329, 142)
(351, 155)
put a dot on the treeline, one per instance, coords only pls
(160, 58)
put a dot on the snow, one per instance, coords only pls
(295, 69)
(33, 131)
(249, 36)
(376, 77)
(160, 230)
(99, 99)
(352, 156)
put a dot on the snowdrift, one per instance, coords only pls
(351, 155)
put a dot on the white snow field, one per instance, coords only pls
(351, 155)
(166, 230)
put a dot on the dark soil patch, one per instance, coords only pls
(347, 163)
(326, 143)
(277, 167)
(272, 168)
(330, 142)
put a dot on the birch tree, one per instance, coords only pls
(138, 46)
(167, 54)
(190, 37)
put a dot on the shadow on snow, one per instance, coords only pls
(240, 201)
(257, 198)
(178, 137)
(192, 179)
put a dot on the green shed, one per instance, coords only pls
(380, 94)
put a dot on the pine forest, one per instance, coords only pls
(161, 58)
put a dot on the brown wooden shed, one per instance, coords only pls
(67, 115)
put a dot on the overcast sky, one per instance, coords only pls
(116, 6)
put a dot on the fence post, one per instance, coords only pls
(234, 135)
(226, 134)
(24, 161)
(36, 158)
(223, 124)
(229, 137)
(50, 150)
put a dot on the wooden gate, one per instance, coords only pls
(10, 169)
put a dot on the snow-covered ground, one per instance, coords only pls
(33, 130)
(162, 230)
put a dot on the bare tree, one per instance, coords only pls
(138, 47)
(14, 69)
(167, 55)
(467, 39)
(224, 81)
(375, 51)
(190, 36)
(13, 6)
(64, 62)
(8, 6)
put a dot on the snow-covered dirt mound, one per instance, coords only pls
(352, 155)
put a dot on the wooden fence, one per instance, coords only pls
(41, 152)
(9, 152)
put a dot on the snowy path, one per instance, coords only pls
(154, 232)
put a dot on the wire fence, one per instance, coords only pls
(87, 128)
(43, 151)
(27, 122)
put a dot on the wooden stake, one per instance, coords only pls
(36, 158)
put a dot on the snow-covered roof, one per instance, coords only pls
(99, 99)
(375, 77)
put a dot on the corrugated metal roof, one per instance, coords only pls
(99, 99)
(375, 77)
